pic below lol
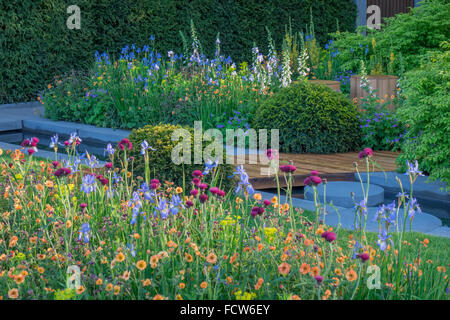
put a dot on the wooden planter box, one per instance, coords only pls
(335, 85)
(386, 87)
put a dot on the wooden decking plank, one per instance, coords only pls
(334, 167)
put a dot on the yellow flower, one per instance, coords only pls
(244, 296)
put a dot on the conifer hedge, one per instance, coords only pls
(36, 45)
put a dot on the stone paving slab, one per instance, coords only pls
(30, 117)
(339, 192)
(43, 153)
(426, 188)
(423, 222)
(9, 125)
(441, 232)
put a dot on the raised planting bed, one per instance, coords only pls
(386, 87)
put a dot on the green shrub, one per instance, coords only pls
(426, 112)
(161, 165)
(311, 118)
(36, 43)
(380, 127)
(399, 45)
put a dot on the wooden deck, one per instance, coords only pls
(333, 167)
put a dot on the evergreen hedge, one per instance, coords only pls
(36, 45)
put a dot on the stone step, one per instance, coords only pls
(10, 125)
(340, 193)
(422, 222)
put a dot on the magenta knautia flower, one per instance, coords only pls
(367, 152)
(288, 168)
(330, 237)
(108, 165)
(194, 192)
(197, 173)
(257, 211)
(31, 144)
(189, 204)
(83, 205)
(266, 202)
(62, 172)
(314, 173)
(203, 186)
(125, 143)
(312, 181)
(203, 198)
(214, 190)
(104, 181)
(272, 154)
(364, 257)
(319, 279)
(55, 164)
(154, 184)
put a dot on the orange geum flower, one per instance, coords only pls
(188, 257)
(19, 279)
(158, 297)
(171, 244)
(351, 275)
(13, 241)
(80, 290)
(259, 283)
(49, 184)
(211, 258)
(120, 257)
(146, 282)
(116, 290)
(40, 270)
(204, 285)
(181, 285)
(126, 275)
(257, 196)
(154, 259)
(99, 282)
(141, 265)
(315, 271)
(109, 287)
(13, 293)
(284, 268)
(336, 281)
